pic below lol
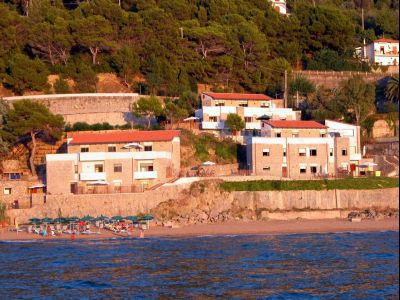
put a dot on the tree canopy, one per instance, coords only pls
(30, 120)
(234, 122)
(172, 45)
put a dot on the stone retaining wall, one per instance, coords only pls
(113, 108)
(132, 204)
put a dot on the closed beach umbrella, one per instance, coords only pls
(117, 218)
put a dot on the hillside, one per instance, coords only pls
(166, 47)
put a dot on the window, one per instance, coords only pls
(382, 50)
(219, 103)
(302, 151)
(322, 135)
(248, 119)
(84, 148)
(14, 176)
(265, 104)
(146, 167)
(284, 152)
(213, 119)
(266, 152)
(112, 148)
(313, 152)
(7, 191)
(148, 148)
(303, 169)
(344, 152)
(243, 104)
(98, 168)
(76, 169)
(117, 168)
(313, 169)
(278, 134)
(267, 169)
(295, 134)
(331, 152)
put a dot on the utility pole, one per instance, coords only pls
(119, 3)
(285, 93)
(181, 29)
(362, 24)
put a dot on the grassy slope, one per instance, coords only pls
(340, 184)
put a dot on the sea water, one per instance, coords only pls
(297, 266)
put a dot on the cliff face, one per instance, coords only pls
(205, 202)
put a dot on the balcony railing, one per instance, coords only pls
(93, 176)
(145, 175)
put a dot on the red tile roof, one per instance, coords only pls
(295, 124)
(122, 136)
(383, 40)
(238, 96)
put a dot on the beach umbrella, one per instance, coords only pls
(73, 219)
(190, 119)
(101, 218)
(34, 220)
(60, 220)
(46, 220)
(87, 218)
(117, 218)
(147, 218)
(208, 163)
(131, 218)
(264, 118)
(133, 145)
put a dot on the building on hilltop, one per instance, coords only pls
(301, 149)
(384, 52)
(114, 161)
(251, 107)
(279, 6)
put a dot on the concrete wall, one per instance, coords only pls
(332, 199)
(113, 108)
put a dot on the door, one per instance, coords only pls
(74, 187)
(284, 171)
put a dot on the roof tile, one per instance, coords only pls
(238, 96)
(121, 136)
(295, 124)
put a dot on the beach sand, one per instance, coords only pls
(233, 228)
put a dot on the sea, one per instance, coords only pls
(294, 266)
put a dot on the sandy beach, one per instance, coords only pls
(231, 228)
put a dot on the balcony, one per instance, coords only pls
(213, 125)
(93, 176)
(355, 156)
(253, 125)
(145, 175)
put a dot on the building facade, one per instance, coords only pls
(384, 52)
(217, 106)
(302, 149)
(114, 161)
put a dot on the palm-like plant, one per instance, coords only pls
(392, 89)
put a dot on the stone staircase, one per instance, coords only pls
(388, 164)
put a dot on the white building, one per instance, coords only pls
(217, 106)
(279, 6)
(384, 52)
